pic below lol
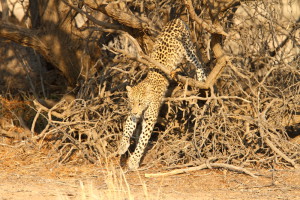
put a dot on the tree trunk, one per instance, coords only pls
(53, 36)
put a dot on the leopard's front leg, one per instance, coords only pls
(129, 128)
(149, 120)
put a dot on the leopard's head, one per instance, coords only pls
(137, 100)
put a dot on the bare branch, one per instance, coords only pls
(203, 166)
(211, 28)
(100, 23)
(280, 153)
(121, 13)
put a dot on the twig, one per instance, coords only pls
(27, 133)
(56, 114)
(212, 28)
(42, 134)
(280, 153)
(12, 146)
(34, 121)
(274, 148)
(200, 167)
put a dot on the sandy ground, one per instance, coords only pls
(28, 175)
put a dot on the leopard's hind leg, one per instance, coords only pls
(192, 58)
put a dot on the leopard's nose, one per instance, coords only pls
(134, 111)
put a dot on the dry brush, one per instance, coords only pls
(244, 115)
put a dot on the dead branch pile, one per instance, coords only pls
(243, 120)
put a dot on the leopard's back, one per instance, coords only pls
(169, 47)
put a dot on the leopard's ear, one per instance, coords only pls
(129, 89)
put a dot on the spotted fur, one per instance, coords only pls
(145, 99)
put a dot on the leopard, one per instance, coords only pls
(171, 47)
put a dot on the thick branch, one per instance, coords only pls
(100, 23)
(121, 13)
(24, 37)
(222, 59)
